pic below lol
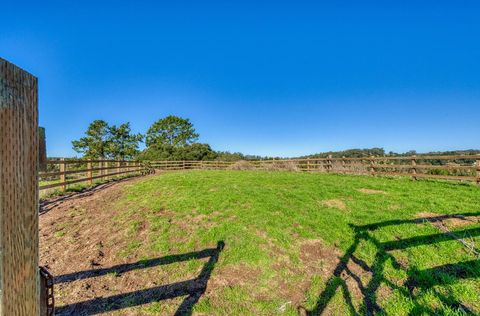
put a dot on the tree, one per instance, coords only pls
(107, 142)
(96, 143)
(123, 144)
(196, 152)
(173, 131)
(189, 152)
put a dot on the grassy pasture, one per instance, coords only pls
(300, 243)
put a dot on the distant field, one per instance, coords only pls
(289, 243)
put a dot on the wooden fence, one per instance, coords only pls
(463, 168)
(63, 172)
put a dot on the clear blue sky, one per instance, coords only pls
(275, 78)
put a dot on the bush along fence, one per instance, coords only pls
(63, 172)
(463, 168)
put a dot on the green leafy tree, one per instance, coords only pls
(195, 151)
(96, 143)
(123, 144)
(102, 141)
(189, 152)
(172, 131)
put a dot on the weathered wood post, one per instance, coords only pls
(414, 167)
(344, 168)
(118, 169)
(63, 187)
(19, 276)
(329, 163)
(106, 165)
(478, 172)
(90, 172)
(372, 165)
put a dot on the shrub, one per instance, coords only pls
(280, 166)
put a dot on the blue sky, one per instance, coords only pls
(277, 78)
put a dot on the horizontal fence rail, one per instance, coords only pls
(463, 168)
(62, 172)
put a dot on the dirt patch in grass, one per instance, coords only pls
(234, 275)
(318, 257)
(371, 191)
(461, 221)
(449, 221)
(335, 203)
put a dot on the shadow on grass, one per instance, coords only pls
(192, 289)
(418, 280)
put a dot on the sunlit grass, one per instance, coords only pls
(265, 217)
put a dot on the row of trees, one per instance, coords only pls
(170, 138)
(175, 138)
(380, 152)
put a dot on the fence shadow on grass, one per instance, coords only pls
(192, 289)
(418, 281)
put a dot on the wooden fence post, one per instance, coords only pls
(107, 171)
(118, 169)
(329, 163)
(478, 172)
(90, 173)
(19, 274)
(344, 168)
(372, 165)
(62, 174)
(414, 167)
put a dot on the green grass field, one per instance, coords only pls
(284, 234)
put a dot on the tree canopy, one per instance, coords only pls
(194, 151)
(95, 143)
(171, 131)
(124, 144)
(102, 141)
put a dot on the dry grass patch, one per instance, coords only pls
(335, 203)
(450, 222)
(371, 191)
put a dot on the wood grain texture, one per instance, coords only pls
(19, 278)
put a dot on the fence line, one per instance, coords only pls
(451, 167)
(65, 172)
(463, 168)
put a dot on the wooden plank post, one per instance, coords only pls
(372, 165)
(118, 169)
(344, 168)
(90, 172)
(19, 274)
(106, 164)
(329, 163)
(414, 167)
(62, 174)
(101, 165)
(478, 172)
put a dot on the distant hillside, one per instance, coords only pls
(368, 152)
